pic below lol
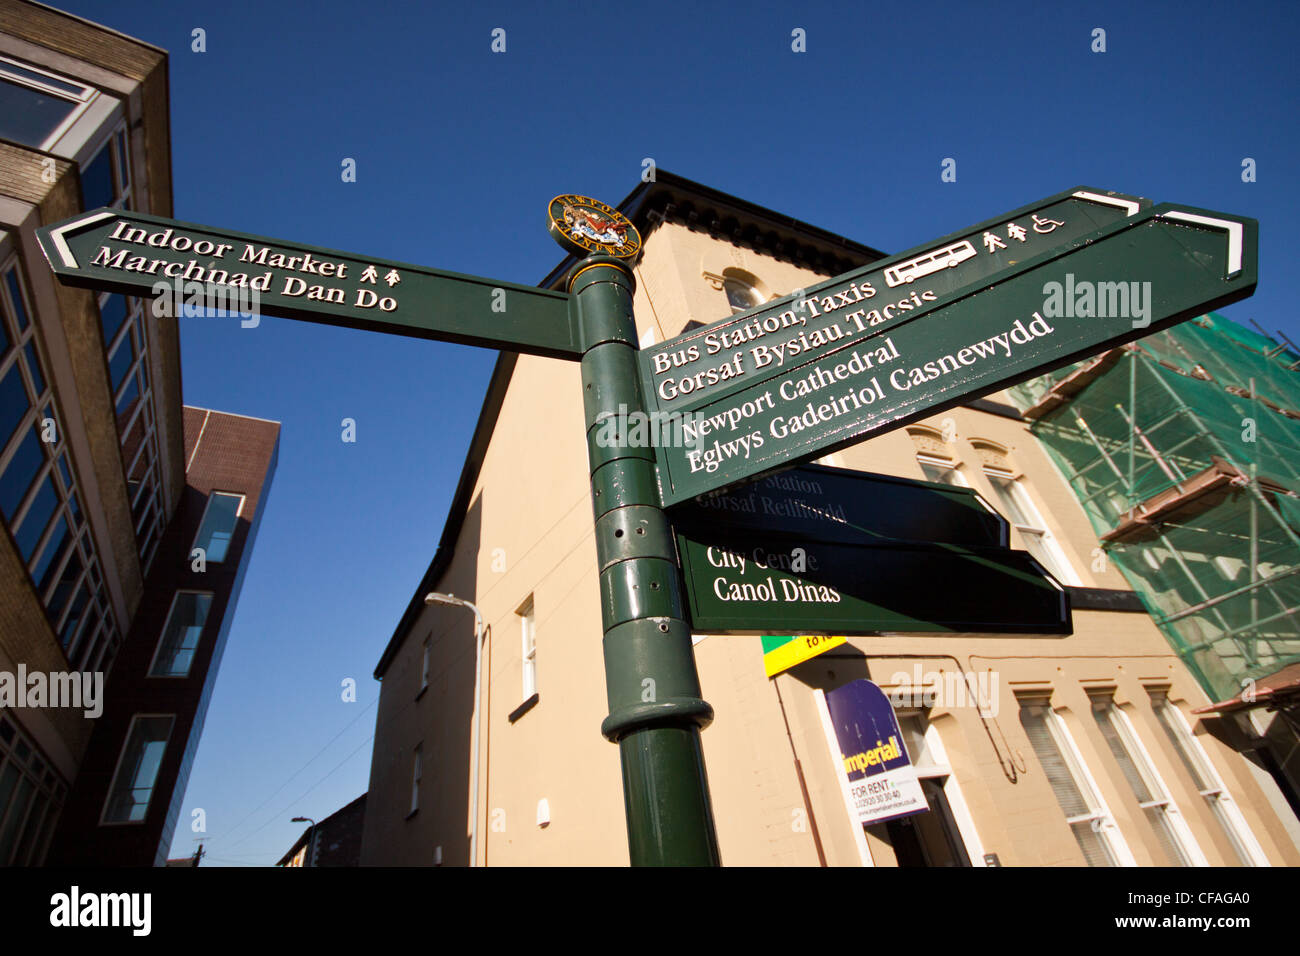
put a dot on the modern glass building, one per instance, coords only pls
(107, 481)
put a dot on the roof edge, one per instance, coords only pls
(98, 26)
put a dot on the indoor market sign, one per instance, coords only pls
(128, 252)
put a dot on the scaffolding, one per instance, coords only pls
(1184, 450)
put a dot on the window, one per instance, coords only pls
(1172, 836)
(36, 107)
(106, 176)
(40, 500)
(1207, 781)
(941, 470)
(126, 343)
(744, 290)
(31, 797)
(137, 769)
(1016, 507)
(741, 296)
(935, 457)
(424, 667)
(416, 769)
(1084, 810)
(181, 634)
(218, 525)
(528, 634)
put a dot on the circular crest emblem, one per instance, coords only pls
(586, 227)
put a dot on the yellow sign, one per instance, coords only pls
(782, 653)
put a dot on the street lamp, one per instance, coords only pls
(453, 601)
(311, 836)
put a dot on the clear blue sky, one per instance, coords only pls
(459, 149)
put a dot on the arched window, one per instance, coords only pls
(744, 290)
(935, 456)
(992, 456)
(741, 296)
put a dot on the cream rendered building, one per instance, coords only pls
(1086, 751)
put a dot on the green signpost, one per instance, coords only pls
(779, 392)
(815, 502)
(769, 389)
(122, 251)
(847, 308)
(827, 551)
(743, 583)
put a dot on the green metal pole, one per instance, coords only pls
(655, 709)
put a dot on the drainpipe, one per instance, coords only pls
(453, 601)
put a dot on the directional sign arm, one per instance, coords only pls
(737, 582)
(198, 266)
(890, 288)
(842, 505)
(1103, 288)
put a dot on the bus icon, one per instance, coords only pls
(948, 257)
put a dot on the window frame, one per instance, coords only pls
(417, 773)
(732, 281)
(133, 334)
(96, 636)
(1219, 801)
(1099, 817)
(951, 465)
(426, 666)
(239, 513)
(117, 770)
(1182, 837)
(118, 143)
(81, 101)
(162, 635)
(48, 796)
(1063, 569)
(528, 646)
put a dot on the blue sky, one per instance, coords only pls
(458, 151)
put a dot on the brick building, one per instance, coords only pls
(108, 483)
(334, 841)
(163, 676)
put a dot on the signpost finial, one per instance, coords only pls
(587, 227)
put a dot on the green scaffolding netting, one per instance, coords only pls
(1222, 575)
